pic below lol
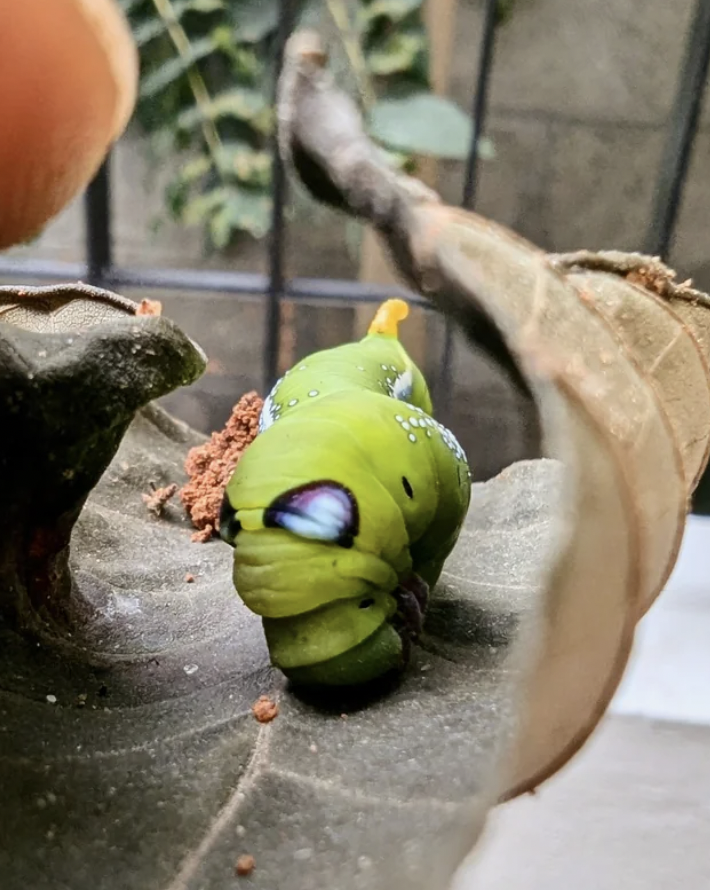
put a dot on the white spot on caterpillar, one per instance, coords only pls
(302, 368)
(451, 442)
(270, 409)
(405, 425)
(269, 414)
(393, 368)
(412, 437)
(428, 433)
(265, 418)
(398, 418)
(360, 368)
(414, 421)
(292, 403)
(384, 367)
(313, 392)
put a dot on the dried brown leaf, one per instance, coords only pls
(604, 375)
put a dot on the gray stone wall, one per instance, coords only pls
(580, 97)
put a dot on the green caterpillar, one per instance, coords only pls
(344, 508)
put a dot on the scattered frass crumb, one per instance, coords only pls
(150, 307)
(203, 535)
(313, 749)
(265, 709)
(52, 699)
(189, 578)
(245, 865)
(156, 501)
(211, 465)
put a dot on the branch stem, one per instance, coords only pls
(181, 42)
(339, 13)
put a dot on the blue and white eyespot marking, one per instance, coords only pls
(397, 385)
(403, 385)
(322, 511)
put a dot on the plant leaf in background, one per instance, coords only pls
(246, 105)
(167, 73)
(422, 123)
(228, 207)
(398, 53)
(206, 97)
(254, 20)
(394, 10)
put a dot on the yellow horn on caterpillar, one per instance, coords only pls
(388, 316)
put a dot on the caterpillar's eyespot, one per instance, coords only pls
(321, 511)
(365, 604)
(403, 386)
(407, 487)
(229, 525)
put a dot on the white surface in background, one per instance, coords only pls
(625, 817)
(668, 677)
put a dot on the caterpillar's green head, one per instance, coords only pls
(322, 552)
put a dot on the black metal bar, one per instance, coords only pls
(682, 128)
(41, 270)
(210, 281)
(480, 102)
(470, 188)
(97, 220)
(277, 240)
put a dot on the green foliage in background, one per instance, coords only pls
(207, 94)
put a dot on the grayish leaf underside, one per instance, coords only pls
(163, 777)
